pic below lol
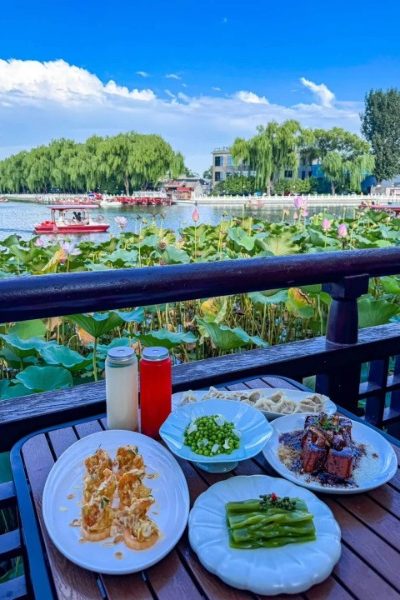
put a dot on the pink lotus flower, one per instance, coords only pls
(300, 203)
(326, 225)
(342, 230)
(122, 222)
(40, 242)
(70, 249)
(195, 215)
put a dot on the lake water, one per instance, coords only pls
(21, 217)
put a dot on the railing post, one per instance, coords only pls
(343, 386)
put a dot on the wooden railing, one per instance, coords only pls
(335, 360)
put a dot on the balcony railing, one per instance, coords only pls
(335, 359)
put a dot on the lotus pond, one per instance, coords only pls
(41, 355)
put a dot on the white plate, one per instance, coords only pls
(295, 395)
(254, 430)
(371, 473)
(289, 569)
(170, 512)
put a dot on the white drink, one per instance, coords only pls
(122, 388)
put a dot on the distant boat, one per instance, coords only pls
(72, 218)
(138, 200)
(388, 208)
(3, 199)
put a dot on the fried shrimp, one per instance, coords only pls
(101, 484)
(116, 501)
(130, 488)
(128, 458)
(139, 531)
(97, 517)
(97, 462)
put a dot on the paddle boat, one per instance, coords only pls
(72, 219)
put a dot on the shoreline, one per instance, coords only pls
(247, 202)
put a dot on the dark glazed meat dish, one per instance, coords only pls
(326, 445)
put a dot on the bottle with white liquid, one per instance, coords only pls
(122, 388)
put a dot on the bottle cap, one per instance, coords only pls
(155, 353)
(121, 355)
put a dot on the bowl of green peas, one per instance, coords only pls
(216, 434)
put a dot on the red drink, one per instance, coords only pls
(155, 389)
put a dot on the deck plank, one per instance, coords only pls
(117, 587)
(71, 582)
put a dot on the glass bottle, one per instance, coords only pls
(155, 389)
(122, 388)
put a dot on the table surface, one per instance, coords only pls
(368, 568)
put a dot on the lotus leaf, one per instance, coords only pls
(97, 324)
(132, 316)
(29, 329)
(54, 354)
(21, 347)
(214, 309)
(43, 379)
(225, 338)
(299, 304)
(270, 297)
(15, 391)
(375, 312)
(391, 284)
(167, 339)
(176, 255)
(123, 257)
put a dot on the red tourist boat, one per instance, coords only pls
(72, 218)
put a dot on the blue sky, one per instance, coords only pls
(203, 71)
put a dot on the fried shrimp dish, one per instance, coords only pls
(128, 459)
(116, 501)
(140, 532)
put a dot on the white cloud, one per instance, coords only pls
(216, 88)
(43, 101)
(57, 80)
(173, 76)
(322, 92)
(250, 98)
(170, 94)
(143, 73)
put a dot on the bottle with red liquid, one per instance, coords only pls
(155, 389)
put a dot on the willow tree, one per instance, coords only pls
(346, 174)
(333, 167)
(125, 161)
(270, 153)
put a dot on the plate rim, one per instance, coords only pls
(282, 589)
(118, 570)
(319, 488)
(225, 458)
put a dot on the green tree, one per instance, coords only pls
(274, 149)
(125, 161)
(237, 185)
(381, 127)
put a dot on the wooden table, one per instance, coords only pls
(369, 567)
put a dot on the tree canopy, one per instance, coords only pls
(345, 157)
(126, 162)
(381, 127)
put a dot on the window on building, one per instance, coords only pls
(229, 160)
(288, 174)
(218, 161)
(310, 173)
(217, 176)
(303, 174)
